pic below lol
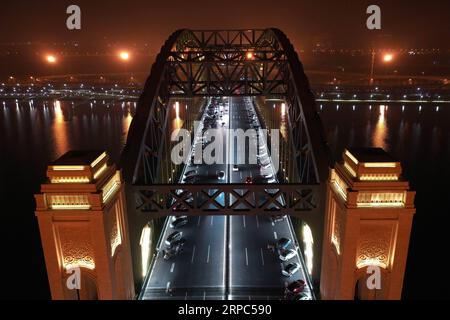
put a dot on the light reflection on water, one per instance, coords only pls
(47, 129)
(419, 137)
(381, 130)
(412, 133)
(60, 130)
(32, 135)
(53, 127)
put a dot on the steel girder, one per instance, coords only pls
(220, 199)
(225, 63)
(215, 63)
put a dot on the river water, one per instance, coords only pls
(32, 135)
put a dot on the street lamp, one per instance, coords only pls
(124, 55)
(387, 58)
(51, 59)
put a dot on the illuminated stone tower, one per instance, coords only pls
(367, 227)
(83, 225)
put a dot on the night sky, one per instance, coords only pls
(404, 23)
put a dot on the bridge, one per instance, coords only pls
(244, 70)
(235, 213)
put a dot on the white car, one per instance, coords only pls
(262, 155)
(288, 254)
(235, 167)
(290, 269)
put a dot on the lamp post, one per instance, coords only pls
(387, 58)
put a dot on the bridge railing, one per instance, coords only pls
(226, 199)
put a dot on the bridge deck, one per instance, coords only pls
(225, 257)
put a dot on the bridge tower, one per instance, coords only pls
(83, 225)
(368, 221)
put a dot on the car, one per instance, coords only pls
(179, 222)
(283, 243)
(190, 177)
(287, 254)
(183, 193)
(266, 166)
(174, 236)
(176, 244)
(168, 253)
(301, 296)
(235, 167)
(262, 155)
(277, 217)
(295, 287)
(290, 269)
(178, 217)
(248, 180)
(190, 173)
(221, 175)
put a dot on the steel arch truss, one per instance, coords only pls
(225, 63)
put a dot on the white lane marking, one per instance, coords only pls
(212, 220)
(273, 224)
(262, 257)
(243, 220)
(257, 222)
(186, 296)
(193, 254)
(172, 267)
(168, 286)
(275, 235)
(246, 257)
(224, 251)
(207, 257)
(204, 295)
(230, 247)
(198, 222)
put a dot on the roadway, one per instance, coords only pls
(201, 270)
